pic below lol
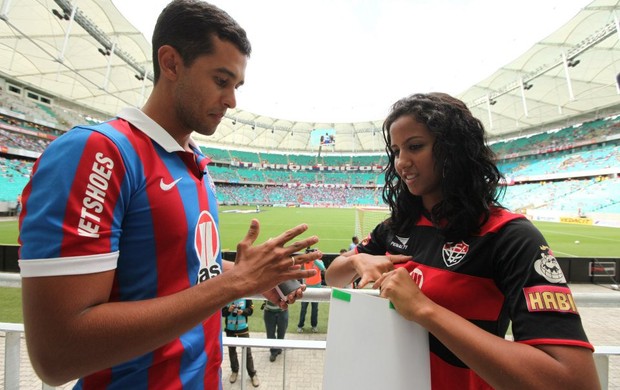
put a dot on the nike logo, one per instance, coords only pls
(168, 187)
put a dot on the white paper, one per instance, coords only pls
(370, 346)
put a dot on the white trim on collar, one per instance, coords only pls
(151, 128)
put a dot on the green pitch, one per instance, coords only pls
(336, 226)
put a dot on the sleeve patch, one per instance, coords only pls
(550, 298)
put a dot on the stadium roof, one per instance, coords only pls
(94, 57)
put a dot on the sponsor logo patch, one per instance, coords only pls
(548, 267)
(401, 242)
(207, 245)
(95, 196)
(550, 298)
(453, 253)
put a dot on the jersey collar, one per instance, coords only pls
(151, 128)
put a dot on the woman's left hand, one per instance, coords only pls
(404, 293)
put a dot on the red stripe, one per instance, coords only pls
(486, 305)
(497, 220)
(572, 343)
(98, 380)
(164, 372)
(82, 212)
(212, 332)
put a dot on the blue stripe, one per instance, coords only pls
(194, 360)
(41, 231)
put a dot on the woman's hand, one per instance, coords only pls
(370, 268)
(404, 293)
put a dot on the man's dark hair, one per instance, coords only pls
(190, 25)
(470, 183)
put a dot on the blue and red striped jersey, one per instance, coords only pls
(125, 196)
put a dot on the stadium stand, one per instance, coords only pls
(573, 169)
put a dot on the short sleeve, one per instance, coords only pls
(72, 207)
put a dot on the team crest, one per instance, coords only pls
(548, 267)
(210, 179)
(417, 276)
(453, 253)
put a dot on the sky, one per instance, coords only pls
(349, 60)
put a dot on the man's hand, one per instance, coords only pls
(261, 267)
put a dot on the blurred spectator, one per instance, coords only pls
(312, 282)
(276, 322)
(236, 325)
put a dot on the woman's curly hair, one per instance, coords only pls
(470, 183)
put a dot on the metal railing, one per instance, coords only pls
(14, 333)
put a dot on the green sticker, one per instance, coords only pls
(339, 294)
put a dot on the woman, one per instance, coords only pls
(450, 258)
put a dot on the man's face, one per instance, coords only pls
(207, 88)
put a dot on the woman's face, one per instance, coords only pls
(412, 144)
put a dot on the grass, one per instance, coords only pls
(257, 325)
(335, 228)
(11, 308)
(8, 232)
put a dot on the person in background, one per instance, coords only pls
(122, 274)
(276, 323)
(452, 259)
(18, 205)
(312, 282)
(236, 325)
(354, 241)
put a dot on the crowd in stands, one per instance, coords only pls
(541, 165)
(304, 196)
(22, 141)
(14, 175)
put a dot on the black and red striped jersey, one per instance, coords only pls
(504, 274)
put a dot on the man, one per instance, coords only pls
(354, 242)
(236, 325)
(276, 323)
(122, 276)
(314, 282)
